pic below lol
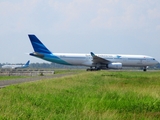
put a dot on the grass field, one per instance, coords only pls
(101, 95)
(10, 77)
(61, 71)
(57, 71)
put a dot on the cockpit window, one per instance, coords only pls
(153, 59)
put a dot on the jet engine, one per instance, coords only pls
(114, 65)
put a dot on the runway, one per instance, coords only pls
(4, 83)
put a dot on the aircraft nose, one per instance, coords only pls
(156, 62)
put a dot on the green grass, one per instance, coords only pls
(102, 95)
(62, 71)
(10, 77)
(57, 71)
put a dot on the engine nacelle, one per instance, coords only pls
(115, 65)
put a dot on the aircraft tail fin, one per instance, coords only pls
(38, 46)
(27, 64)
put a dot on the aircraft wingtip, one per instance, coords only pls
(92, 54)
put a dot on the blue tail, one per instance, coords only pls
(38, 46)
(27, 64)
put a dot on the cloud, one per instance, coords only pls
(72, 12)
(125, 15)
(15, 15)
(154, 13)
(86, 23)
(66, 15)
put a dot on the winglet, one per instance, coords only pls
(92, 54)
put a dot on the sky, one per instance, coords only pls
(79, 26)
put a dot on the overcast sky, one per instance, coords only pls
(79, 26)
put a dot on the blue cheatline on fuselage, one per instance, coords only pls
(55, 59)
(52, 58)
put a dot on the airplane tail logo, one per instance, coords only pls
(38, 46)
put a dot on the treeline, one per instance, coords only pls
(55, 65)
(48, 65)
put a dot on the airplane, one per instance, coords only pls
(16, 66)
(93, 61)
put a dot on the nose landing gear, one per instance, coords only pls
(145, 68)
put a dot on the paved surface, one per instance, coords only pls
(4, 83)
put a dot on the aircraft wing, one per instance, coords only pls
(100, 60)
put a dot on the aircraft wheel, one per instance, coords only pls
(144, 70)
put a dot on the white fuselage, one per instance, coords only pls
(86, 59)
(12, 66)
(98, 61)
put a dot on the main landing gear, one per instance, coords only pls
(93, 69)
